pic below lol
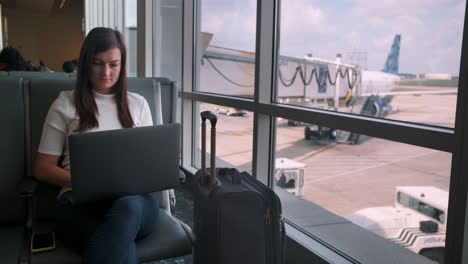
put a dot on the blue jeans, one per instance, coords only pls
(105, 232)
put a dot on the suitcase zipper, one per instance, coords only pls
(267, 216)
(281, 221)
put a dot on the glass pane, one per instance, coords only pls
(390, 60)
(226, 47)
(167, 43)
(234, 136)
(130, 33)
(386, 187)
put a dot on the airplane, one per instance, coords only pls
(374, 82)
(231, 72)
(374, 95)
(309, 81)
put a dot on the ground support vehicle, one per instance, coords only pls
(289, 175)
(417, 221)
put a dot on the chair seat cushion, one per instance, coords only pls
(11, 242)
(167, 241)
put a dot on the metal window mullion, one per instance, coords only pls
(1, 28)
(93, 15)
(399, 131)
(105, 13)
(197, 57)
(99, 14)
(110, 18)
(95, 10)
(86, 16)
(157, 37)
(120, 15)
(263, 138)
(187, 81)
(456, 250)
(240, 103)
(144, 38)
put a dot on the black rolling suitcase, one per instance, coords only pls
(237, 219)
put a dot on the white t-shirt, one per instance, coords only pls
(62, 121)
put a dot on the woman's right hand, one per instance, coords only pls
(47, 170)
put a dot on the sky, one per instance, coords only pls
(431, 30)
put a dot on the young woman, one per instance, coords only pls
(105, 232)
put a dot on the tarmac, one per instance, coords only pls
(344, 178)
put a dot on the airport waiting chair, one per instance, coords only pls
(3, 73)
(12, 170)
(168, 99)
(27, 75)
(172, 237)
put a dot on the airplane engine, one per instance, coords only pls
(381, 108)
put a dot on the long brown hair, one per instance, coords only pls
(99, 40)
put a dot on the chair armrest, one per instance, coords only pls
(186, 228)
(182, 176)
(26, 187)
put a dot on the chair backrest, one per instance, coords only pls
(12, 154)
(42, 93)
(147, 88)
(168, 99)
(3, 73)
(32, 74)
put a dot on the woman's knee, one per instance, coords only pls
(130, 205)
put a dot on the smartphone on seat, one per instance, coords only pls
(42, 242)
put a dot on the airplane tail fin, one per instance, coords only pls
(391, 65)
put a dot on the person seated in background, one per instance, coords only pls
(75, 63)
(38, 66)
(12, 60)
(70, 66)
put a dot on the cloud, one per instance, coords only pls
(431, 32)
(232, 23)
(431, 29)
(301, 22)
(388, 8)
(301, 16)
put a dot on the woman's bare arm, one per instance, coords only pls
(48, 171)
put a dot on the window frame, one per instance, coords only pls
(265, 111)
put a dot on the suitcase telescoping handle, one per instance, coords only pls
(213, 120)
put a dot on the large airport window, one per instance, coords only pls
(234, 135)
(386, 187)
(226, 47)
(395, 61)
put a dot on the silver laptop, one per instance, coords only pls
(110, 164)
